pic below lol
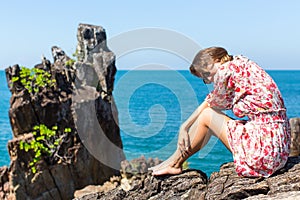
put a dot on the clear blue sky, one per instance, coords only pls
(264, 30)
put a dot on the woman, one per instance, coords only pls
(260, 145)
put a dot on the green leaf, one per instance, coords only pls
(56, 143)
(15, 78)
(32, 144)
(185, 165)
(40, 138)
(23, 81)
(21, 145)
(33, 169)
(68, 130)
(26, 147)
(38, 154)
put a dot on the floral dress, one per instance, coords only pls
(260, 145)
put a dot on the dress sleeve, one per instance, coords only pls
(223, 93)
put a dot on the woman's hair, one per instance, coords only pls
(205, 59)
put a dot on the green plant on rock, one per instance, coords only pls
(185, 165)
(75, 54)
(70, 62)
(34, 79)
(45, 142)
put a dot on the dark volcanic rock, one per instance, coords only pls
(73, 166)
(193, 184)
(167, 187)
(295, 133)
(137, 166)
(225, 184)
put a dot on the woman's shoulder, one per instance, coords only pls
(242, 61)
(237, 61)
(240, 58)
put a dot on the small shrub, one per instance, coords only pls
(70, 62)
(46, 142)
(34, 79)
(185, 165)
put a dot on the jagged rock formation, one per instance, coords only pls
(136, 183)
(92, 99)
(75, 164)
(295, 136)
(193, 184)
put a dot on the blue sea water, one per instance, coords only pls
(152, 105)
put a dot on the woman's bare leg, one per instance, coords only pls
(210, 122)
(177, 155)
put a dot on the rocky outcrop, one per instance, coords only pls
(295, 136)
(80, 100)
(193, 184)
(227, 185)
(92, 98)
(136, 182)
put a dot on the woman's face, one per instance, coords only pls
(206, 75)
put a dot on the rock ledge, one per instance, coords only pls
(193, 184)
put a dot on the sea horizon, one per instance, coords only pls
(170, 69)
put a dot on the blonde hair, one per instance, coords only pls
(226, 58)
(205, 58)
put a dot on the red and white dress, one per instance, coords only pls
(261, 145)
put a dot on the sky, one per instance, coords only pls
(266, 31)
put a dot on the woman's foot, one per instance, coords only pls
(167, 170)
(171, 161)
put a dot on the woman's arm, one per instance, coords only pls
(188, 123)
(184, 142)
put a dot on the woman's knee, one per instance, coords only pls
(205, 116)
(210, 116)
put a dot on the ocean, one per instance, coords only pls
(153, 104)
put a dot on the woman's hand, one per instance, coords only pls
(184, 143)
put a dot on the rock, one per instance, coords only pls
(150, 187)
(136, 182)
(295, 136)
(4, 185)
(106, 187)
(94, 109)
(193, 184)
(73, 166)
(137, 166)
(294, 195)
(226, 184)
(130, 172)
